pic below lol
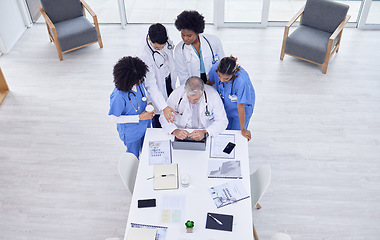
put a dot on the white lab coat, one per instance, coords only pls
(187, 61)
(215, 107)
(155, 77)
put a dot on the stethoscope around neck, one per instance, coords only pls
(231, 96)
(207, 112)
(134, 94)
(214, 60)
(170, 47)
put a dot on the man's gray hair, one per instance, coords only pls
(194, 85)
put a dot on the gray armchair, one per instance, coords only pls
(67, 25)
(319, 34)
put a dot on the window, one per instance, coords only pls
(284, 10)
(243, 10)
(374, 13)
(165, 11)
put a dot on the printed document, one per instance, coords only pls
(160, 152)
(228, 193)
(224, 169)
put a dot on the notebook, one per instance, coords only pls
(219, 221)
(160, 230)
(141, 234)
(165, 176)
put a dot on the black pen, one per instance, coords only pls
(162, 175)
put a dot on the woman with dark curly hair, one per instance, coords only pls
(237, 93)
(128, 102)
(195, 55)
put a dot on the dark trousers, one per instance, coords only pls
(204, 77)
(155, 120)
(168, 82)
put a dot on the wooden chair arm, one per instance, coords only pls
(47, 19)
(339, 29)
(87, 7)
(294, 19)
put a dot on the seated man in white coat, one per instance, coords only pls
(199, 107)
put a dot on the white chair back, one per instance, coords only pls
(280, 236)
(260, 180)
(128, 164)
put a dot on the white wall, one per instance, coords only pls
(12, 24)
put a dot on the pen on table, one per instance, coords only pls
(216, 220)
(167, 175)
(162, 175)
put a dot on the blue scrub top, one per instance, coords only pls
(242, 88)
(120, 104)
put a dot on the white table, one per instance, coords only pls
(198, 198)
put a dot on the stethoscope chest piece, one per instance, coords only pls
(143, 98)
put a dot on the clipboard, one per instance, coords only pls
(217, 145)
(160, 152)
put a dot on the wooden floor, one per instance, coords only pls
(320, 133)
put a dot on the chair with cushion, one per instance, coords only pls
(319, 34)
(128, 164)
(67, 25)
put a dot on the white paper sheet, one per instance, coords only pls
(172, 209)
(218, 144)
(224, 169)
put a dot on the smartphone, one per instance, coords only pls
(144, 203)
(230, 146)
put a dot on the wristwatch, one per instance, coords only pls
(206, 135)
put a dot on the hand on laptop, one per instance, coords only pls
(180, 133)
(198, 135)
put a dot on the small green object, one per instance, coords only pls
(189, 224)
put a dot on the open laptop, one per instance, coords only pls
(189, 144)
